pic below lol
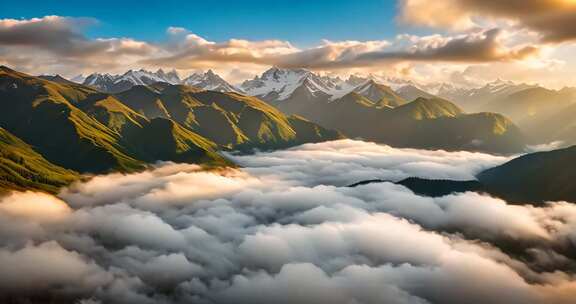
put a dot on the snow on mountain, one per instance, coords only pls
(379, 93)
(210, 81)
(277, 84)
(474, 97)
(78, 78)
(143, 77)
(169, 77)
(117, 83)
(280, 83)
(102, 82)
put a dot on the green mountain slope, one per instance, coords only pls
(43, 114)
(536, 177)
(22, 168)
(145, 100)
(229, 119)
(112, 113)
(381, 95)
(164, 139)
(427, 108)
(82, 129)
(85, 130)
(530, 179)
(487, 132)
(432, 123)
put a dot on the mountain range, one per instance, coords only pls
(542, 115)
(64, 127)
(54, 130)
(117, 83)
(365, 108)
(338, 103)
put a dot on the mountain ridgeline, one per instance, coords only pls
(534, 178)
(62, 127)
(376, 112)
(544, 115)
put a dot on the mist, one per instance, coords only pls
(285, 228)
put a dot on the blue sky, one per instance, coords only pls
(301, 22)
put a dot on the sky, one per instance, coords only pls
(302, 22)
(464, 42)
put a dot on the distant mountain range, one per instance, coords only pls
(52, 129)
(118, 83)
(277, 84)
(336, 103)
(474, 98)
(406, 116)
(544, 115)
(541, 114)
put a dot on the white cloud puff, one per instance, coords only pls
(285, 228)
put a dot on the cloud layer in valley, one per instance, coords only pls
(286, 229)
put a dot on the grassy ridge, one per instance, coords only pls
(76, 127)
(23, 168)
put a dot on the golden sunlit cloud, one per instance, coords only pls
(34, 206)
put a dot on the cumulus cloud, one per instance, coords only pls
(553, 19)
(58, 43)
(487, 46)
(34, 206)
(55, 44)
(285, 228)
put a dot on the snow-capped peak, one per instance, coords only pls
(210, 81)
(117, 83)
(78, 78)
(170, 77)
(277, 84)
(96, 78)
(144, 77)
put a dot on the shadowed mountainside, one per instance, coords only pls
(23, 168)
(530, 179)
(536, 177)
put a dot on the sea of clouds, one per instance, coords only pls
(286, 229)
